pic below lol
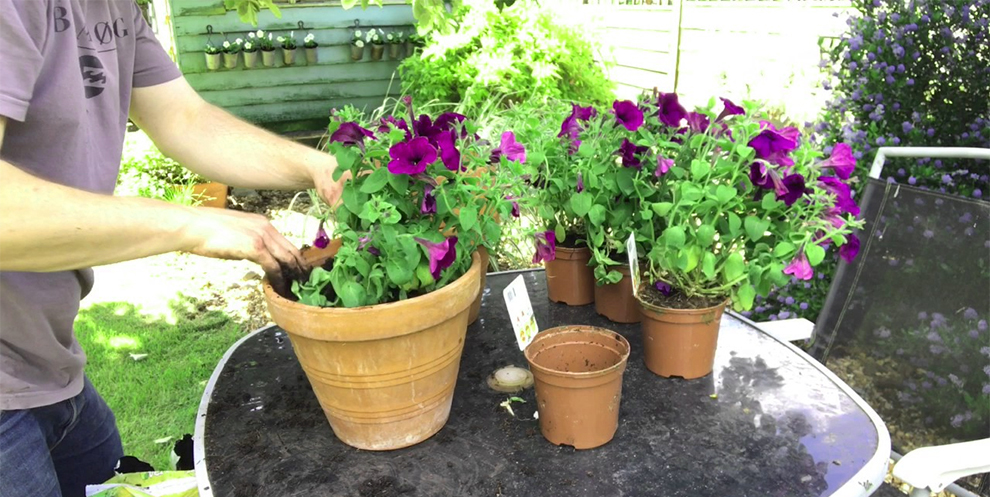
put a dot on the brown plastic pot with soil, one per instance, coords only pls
(577, 373)
(569, 278)
(615, 301)
(383, 374)
(680, 334)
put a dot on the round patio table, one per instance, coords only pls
(769, 421)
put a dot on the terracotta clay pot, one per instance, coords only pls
(569, 278)
(211, 194)
(680, 342)
(268, 58)
(577, 372)
(376, 392)
(616, 301)
(476, 306)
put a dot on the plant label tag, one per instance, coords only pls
(520, 311)
(633, 263)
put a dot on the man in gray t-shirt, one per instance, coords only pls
(71, 72)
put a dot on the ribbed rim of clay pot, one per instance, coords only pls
(560, 330)
(364, 323)
(570, 254)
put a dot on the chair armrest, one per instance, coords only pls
(788, 330)
(936, 467)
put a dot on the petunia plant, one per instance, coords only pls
(425, 193)
(743, 207)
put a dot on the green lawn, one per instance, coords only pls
(157, 396)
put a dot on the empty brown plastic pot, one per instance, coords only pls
(616, 301)
(569, 278)
(577, 372)
(680, 342)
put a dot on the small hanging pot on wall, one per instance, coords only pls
(268, 57)
(377, 51)
(212, 61)
(289, 56)
(250, 59)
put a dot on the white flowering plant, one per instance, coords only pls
(310, 41)
(233, 47)
(358, 39)
(288, 42)
(212, 49)
(265, 41)
(251, 44)
(375, 37)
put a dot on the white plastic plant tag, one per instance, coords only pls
(633, 263)
(520, 311)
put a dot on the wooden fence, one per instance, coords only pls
(284, 98)
(766, 50)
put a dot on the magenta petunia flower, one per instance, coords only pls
(794, 183)
(546, 247)
(450, 121)
(449, 154)
(510, 148)
(571, 128)
(849, 249)
(383, 126)
(423, 126)
(515, 205)
(411, 157)
(843, 198)
(730, 109)
(671, 111)
(629, 152)
(583, 113)
(322, 240)
(627, 114)
(664, 288)
(429, 203)
(763, 176)
(800, 268)
(773, 145)
(442, 255)
(350, 133)
(841, 161)
(663, 166)
(698, 122)
(580, 183)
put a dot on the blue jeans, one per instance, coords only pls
(56, 450)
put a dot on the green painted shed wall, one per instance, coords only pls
(285, 98)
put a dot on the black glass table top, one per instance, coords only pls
(767, 422)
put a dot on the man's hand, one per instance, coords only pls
(226, 234)
(328, 189)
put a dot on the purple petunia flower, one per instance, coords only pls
(383, 126)
(449, 154)
(850, 249)
(322, 240)
(449, 120)
(803, 305)
(580, 183)
(429, 203)
(510, 148)
(844, 202)
(794, 183)
(411, 157)
(912, 180)
(350, 133)
(664, 288)
(697, 122)
(424, 127)
(442, 255)
(663, 166)
(670, 111)
(773, 145)
(546, 247)
(800, 268)
(515, 205)
(730, 109)
(841, 161)
(627, 114)
(977, 193)
(629, 152)
(571, 128)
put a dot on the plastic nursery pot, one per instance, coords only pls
(616, 301)
(476, 306)
(357, 53)
(230, 60)
(577, 372)
(383, 374)
(569, 278)
(680, 342)
(211, 194)
(268, 58)
(213, 61)
(250, 59)
(377, 51)
(393, 51)
(311, 56)
(289, 56)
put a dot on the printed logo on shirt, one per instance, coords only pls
(98, 38)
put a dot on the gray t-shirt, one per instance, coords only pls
(67, 68)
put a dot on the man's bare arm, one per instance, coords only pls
(219, 146)
(45, 226)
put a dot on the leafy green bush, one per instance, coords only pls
(913, 73)
(505, 56)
